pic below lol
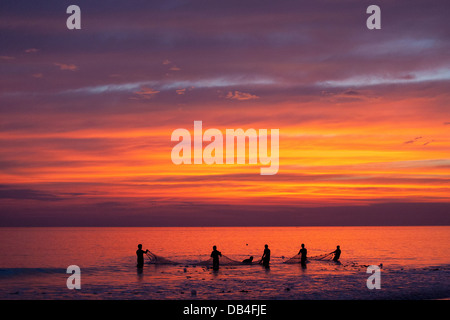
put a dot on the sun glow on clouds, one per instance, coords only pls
(363, 118)
(342, 162)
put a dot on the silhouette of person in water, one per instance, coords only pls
(265, 259)
(302, 254)
(140, 256)
(337, 254)
(215, 255)
(248, 261)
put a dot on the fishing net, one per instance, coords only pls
(226, 261)
(326, 256)
(223, 260)
(297, 258)
(155, 259)
(294, 259)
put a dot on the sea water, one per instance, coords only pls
(414, 261)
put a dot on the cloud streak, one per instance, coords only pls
(63, 66)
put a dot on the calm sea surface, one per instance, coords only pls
(415, 263)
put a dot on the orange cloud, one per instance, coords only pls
(237, 95)
(63, 66)
(146, 93)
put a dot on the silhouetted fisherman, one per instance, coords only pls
(140, 256)
(215, 254)
(337, 253)
(302, 254)
(265, 259)
(248, 261)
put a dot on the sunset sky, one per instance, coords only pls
(87, 115)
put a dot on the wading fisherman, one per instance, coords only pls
(215, 254)
(337, 253)
(140, 256)
(302, 254)
(265, 259)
